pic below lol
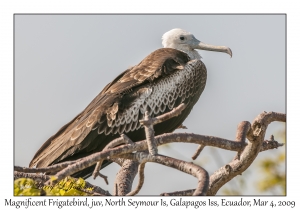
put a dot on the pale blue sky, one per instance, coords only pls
(63, 61)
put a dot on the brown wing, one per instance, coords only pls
(102, 111)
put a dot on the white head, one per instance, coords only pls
(185, 41)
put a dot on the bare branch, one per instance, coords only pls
(125, 177)
(261, 122)
(189, 168)
(267, 145)
(247, 152)
(180, 193)
(53, 168)
(148, 123)
(256, 138)
(35, 177)
(123, 139)
(149, 131)
(241, 134)
(97, 173)
(270, 144)
(174, 113)
(198, 151)
(182, 127)
(142, 145)
(141, 180)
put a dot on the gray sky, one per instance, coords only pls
(63, 61)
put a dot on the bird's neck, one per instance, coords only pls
(193, 54)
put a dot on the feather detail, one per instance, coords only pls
(163, 79)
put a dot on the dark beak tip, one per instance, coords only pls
(229, 52)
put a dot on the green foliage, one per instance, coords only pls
(274, 179)
(66, 187)
(25, 186)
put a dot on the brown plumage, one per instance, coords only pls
(113, 111)
(163, 80)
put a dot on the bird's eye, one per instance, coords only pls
(182, 38)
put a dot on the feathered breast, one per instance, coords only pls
(154, 97)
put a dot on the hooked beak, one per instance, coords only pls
(203, 46)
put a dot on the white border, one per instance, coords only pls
(8, 8)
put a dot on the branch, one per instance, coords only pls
(198, 151)
(180, 193)
(149, 132)
(123, 140)
(173, 113)
(125, 177)
(36, 177)
(141, 180)
(247, 152)
(241, 134)
(256, 136)
(189, 168)
(142, 145)
(149, 122)
(53, 168)
(270, 144)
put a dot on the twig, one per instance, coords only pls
(89, 192)
(148, 123)
(141, 180)
(36, 177)
(242, 130)
(53, 168)
(181, 127)
(270, 144)
(179, 193)
(155, 120)
(116, 189)
(198, 151)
